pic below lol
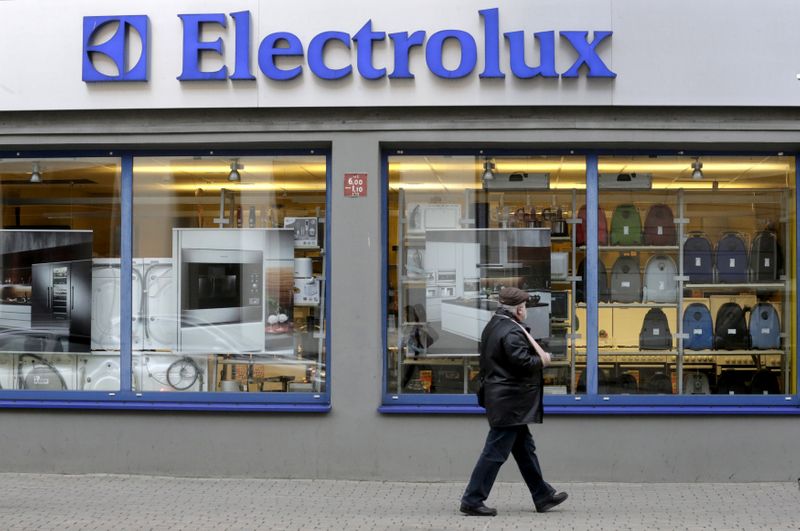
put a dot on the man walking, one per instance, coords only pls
(511, 366)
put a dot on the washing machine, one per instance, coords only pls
(159, 306)
(169, 372)
(7, 364)
(47, 372)
(106, 290)
(99, 372)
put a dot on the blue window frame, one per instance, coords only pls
(24, 169)
(597, 398)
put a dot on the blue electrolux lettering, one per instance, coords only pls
(288, 45)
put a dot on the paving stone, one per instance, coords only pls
(41, 501)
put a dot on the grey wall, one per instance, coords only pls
(354, 441)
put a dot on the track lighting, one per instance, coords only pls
(234, 176)
(488, 169)
(697, 166)
(36, 177)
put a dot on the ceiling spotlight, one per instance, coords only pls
(489, 168)
(234, 176)
(36, 177)
(697, 168)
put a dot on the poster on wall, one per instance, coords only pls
(45, 295)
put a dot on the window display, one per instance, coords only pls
(699, 283)
(229, 253)
(61, 229)
(461, 228)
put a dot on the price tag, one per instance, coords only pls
(765, 331)
(656, 332)
(660, 230)
(355, 185)
(625, 230)
(625, 284)
(661, 285)
(698, 261)
(731, 331)
(766, 262)
(732, 263)
(698, 331)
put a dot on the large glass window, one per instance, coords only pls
(461, 228)
(697, 256)
(229, 265)
(61, 226)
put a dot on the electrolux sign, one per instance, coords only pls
(281, 56)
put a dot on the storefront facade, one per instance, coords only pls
(283, 243)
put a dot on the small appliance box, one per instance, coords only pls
(306, 232)
(306, 291)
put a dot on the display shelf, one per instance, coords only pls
(723, 286)
(560, 239)
(633, 247)
(632, 305)
(733, 353)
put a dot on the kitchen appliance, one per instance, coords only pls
(7, 364)
(98, 373)
(61, 301)
(106, 291)
(222, 277)
(169, 372)
(46, 372)
(306, 232)
(427, 216)
(306, 287)
(154, 325)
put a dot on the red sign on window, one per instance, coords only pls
(355, 185)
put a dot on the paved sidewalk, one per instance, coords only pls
(38, 501)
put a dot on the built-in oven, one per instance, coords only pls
(227, 282)
(221, 286)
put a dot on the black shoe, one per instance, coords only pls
(551, 502)
(478, 510)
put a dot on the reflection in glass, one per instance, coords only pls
(60, 225)
(460, 229)
(696, 272)
(231, 271)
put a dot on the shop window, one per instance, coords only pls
(60, 225)
(698, 257)
(229, 275)
(459, 229)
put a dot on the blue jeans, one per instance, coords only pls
(500, 442)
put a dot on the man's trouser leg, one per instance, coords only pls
(524, 452)
(495, 452)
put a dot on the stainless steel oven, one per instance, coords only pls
(227, 282)
(221, 286)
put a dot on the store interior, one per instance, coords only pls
(238, 306)
(695, 275)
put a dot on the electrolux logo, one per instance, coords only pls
(282, 56)
(117, 48)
